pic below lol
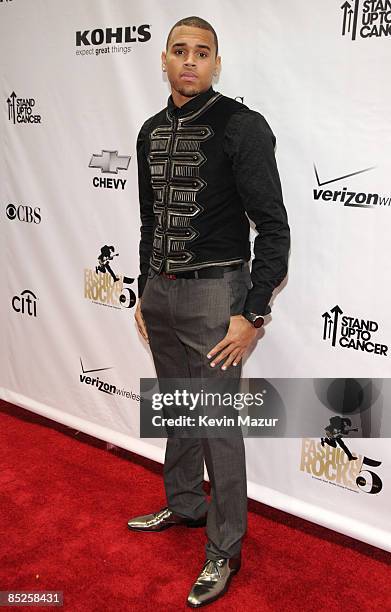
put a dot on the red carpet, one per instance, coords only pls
(65, 501)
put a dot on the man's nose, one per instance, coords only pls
(189, 61)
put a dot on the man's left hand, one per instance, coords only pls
(239, 336)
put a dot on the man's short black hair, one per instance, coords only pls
(197, 22)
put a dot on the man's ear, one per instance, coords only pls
(217, 65)
(164, 56)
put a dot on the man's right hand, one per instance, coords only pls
(140, 321)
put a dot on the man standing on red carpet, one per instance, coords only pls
(205, 162)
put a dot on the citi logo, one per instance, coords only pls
(109, 162)
(27, 214)
(346, 197)
(100, 36)
(25, 303)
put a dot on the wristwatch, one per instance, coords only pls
(255, 319)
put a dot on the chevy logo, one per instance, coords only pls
(109, 161)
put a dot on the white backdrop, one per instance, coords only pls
(322, 83)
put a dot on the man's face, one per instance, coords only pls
(190, 60)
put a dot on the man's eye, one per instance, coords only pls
(203, 54)
(179, 51)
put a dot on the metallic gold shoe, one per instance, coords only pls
(213, 581)
(163, 519)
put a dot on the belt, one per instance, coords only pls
(209, 272)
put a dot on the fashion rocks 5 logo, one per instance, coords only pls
(332, 466)
(104, 286)
(352, 332)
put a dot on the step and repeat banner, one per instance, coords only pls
(78, 79)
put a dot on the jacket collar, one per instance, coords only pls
(192, 105)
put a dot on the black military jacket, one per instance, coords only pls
(204, 169)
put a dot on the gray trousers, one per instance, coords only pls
(185, 318)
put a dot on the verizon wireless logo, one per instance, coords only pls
(346, 196)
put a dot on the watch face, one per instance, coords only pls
(254, 319)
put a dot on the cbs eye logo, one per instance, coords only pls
(24, 213)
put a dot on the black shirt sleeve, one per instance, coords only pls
(146, 198)
(249, 143)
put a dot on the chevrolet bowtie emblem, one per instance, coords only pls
(109, 161)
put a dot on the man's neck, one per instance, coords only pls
(179, 99)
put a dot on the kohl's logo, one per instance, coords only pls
(100, 36)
